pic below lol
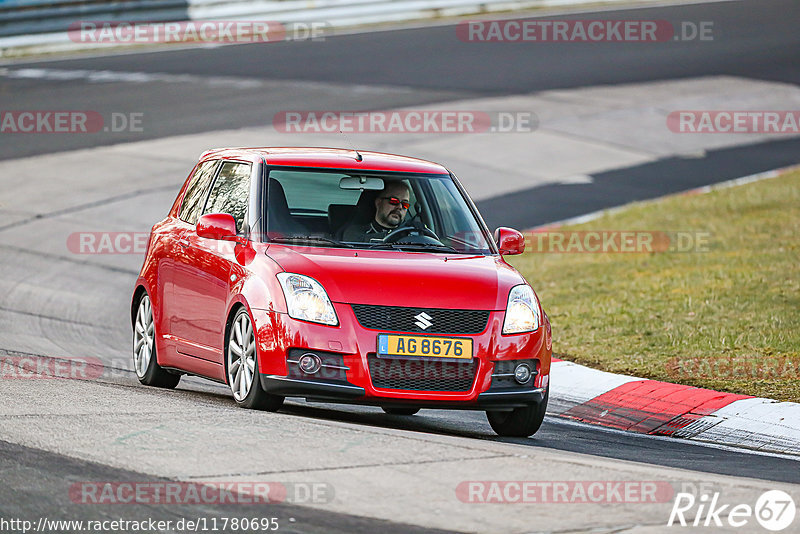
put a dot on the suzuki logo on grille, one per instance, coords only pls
(423, 320)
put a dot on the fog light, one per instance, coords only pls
(310, 363)
(522, 373)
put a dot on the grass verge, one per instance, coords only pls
(724, 314)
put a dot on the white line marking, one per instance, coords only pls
(109, 76)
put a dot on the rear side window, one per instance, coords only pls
(196, 192)
(231, 192)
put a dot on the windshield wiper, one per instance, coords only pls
(300, 239)
(418, 246)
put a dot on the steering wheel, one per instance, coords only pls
(403, 231)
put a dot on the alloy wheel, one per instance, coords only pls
(241, 357)
(143, 337)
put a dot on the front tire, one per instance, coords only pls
(520, 422)
(242, 365)
(145, 360)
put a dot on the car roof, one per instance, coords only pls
(333, 158)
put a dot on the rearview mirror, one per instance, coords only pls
(216, 226)
(509, 241)
(361, 182)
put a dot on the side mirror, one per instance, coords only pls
(509, 241)
(216, 226)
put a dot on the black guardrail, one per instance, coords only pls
(21, 17)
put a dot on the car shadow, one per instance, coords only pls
(461, 423)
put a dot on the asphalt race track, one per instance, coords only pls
(60, 304)
(755, 42)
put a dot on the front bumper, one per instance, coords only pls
(320, 391)
(278, 334)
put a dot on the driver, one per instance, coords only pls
(391, 207)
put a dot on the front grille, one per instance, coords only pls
(397, 319)
(421, 375)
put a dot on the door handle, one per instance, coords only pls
(183, 242)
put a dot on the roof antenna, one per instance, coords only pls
(358, 156)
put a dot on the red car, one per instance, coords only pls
(340, 276)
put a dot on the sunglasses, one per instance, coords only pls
(394, 201)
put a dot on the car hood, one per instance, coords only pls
(409, 279)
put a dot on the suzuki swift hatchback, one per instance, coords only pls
(339, 276)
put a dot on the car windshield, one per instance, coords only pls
(416, 212)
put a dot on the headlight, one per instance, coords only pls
(306, 299)
(522, 312)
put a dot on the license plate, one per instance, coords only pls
(390, 345)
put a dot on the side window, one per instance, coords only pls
(231, 192)
(196, 192)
